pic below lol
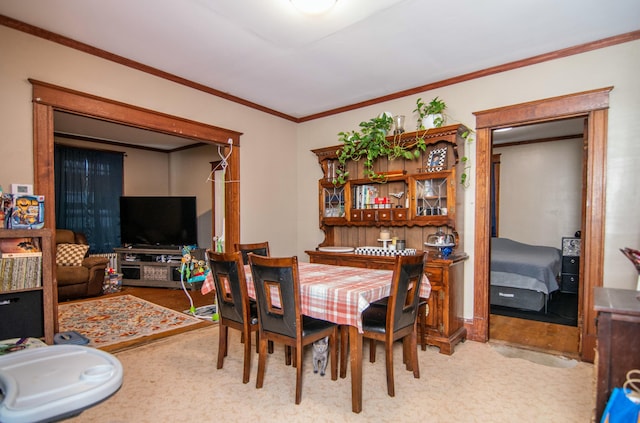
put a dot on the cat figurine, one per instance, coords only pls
(320, 354)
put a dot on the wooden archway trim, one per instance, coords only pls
(593, 105)
(47, 98)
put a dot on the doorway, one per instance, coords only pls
(536, 204)
(593, 106)
(47, 98)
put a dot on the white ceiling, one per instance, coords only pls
(265, 52)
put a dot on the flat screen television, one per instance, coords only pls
(158, 222)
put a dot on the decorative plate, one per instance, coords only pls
(336, 249)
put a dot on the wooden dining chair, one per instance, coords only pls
(280, 319)
(259, 248)
(397, 319)
(233, 304)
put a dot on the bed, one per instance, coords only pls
(522, 275)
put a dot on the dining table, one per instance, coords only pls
(340, 294)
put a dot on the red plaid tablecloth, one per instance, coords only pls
(340, 294)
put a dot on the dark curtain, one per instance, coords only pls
(88, 186)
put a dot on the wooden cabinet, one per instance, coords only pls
(152, 267)
(31, 312)
(415, 199)
(445, 323)
(570, 273)
(618, 342)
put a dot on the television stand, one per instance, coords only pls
(156, 247)
(154, 267)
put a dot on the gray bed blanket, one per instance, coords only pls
(536, 261)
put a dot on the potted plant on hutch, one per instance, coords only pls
(370, 143)
(430, 115)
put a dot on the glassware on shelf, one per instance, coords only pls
(428, 189)
(398, 122)
(444, 242)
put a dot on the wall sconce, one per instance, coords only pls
(313, 7)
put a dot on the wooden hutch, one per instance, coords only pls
(417, 198)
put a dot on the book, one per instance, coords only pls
(20, 271)
(21, 254)
(19, 245)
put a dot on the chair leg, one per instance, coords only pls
(344, 350)
(372, 350)
(270, 345)
(287, 355)
(406, 352)
(414, 353)
(298, 359)
(422, 316)
(262, 361)
(222, 345)
(333, 344)
(247, 358)
(388, 349)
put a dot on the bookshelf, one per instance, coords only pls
(31, 311)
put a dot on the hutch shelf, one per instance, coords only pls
(417, 198)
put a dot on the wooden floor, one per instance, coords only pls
(175, 299)
(538, 336)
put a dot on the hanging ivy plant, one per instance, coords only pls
(466, 163)
(370, 143)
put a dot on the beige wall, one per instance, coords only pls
(145, 172)
(279, 173)
(540, 191)
(616, 66)
(268, 176)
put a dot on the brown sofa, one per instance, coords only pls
(79, 281)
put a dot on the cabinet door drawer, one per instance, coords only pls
(356, 215)
(570, 264)
(399, 214)
(368, 215)
(384, 215)
(569, 283)
(434, 274)
(26, 314)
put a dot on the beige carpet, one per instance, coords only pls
(175, 379)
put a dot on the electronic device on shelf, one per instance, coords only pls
(165, 223)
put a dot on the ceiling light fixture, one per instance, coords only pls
(313, 7)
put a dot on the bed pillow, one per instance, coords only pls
(70, 254)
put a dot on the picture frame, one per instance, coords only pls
(436, 160)
(22, 189)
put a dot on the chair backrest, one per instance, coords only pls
(228, 275)
(402, 308)
(67, 236)
(278, 294)
(259, 248)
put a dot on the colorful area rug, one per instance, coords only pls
(123, 321)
